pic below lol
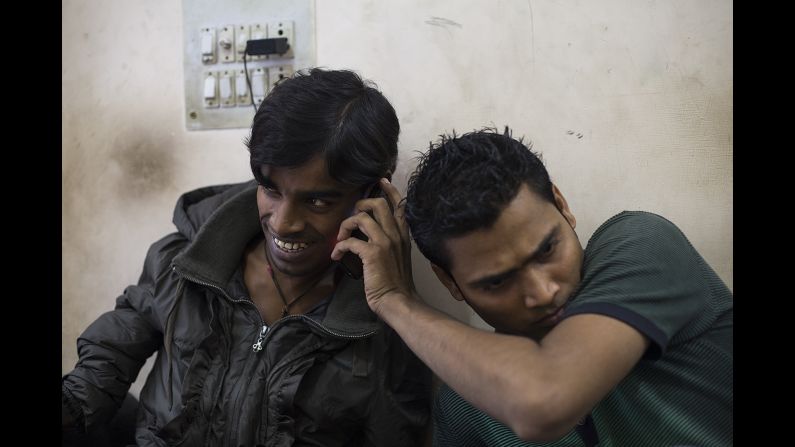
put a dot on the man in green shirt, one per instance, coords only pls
(626, 343)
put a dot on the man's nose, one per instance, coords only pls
(285, 219)
(539, 288)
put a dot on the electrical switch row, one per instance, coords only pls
(228, 43)
(230, 88)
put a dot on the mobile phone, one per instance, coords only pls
(350, 262)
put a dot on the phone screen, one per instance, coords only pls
(350, 262)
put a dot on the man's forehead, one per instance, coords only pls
(309, 176)
(515, 235)
(316, 166)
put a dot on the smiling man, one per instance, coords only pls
(260, 338)
(625, 343)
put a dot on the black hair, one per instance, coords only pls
(329, 112)
(463, 183)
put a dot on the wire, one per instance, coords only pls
(248, 80)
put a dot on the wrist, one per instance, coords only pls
(394, 306)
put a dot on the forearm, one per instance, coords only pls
(111, 352)
(471, 361)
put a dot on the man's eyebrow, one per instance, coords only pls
(315, 194)
(322, 194)
(496, 277)
(267, 182)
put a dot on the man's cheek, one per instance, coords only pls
(331, 241)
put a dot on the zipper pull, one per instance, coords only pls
(258, 345)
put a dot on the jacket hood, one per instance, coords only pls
(195, 207)
(219, 221)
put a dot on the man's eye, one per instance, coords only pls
(269, 191)
(318, 203)
(495, 284)
(547, 249)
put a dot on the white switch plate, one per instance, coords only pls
(210, 90)
(226, 88)
(276, 74)
(226, 44)
(241, 88)
(241, 36)
(258, 31)
(259, 84)
(208, 45)
(282, 28)
(240, 15)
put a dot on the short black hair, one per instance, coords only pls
(329, 112)
(463, 183)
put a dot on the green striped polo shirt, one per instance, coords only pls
(640, 268)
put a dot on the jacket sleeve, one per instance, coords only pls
(113, 348)
(400, 411)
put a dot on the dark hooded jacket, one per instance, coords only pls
(344, 380)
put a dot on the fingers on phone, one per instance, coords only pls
(382, 215)
(391, 193)
(400, 217)
(349, 225)
(352, 245)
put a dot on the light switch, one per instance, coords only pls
(210, 90)
(241, 88)
(208, 45)
(258, 31)
(209, 87)
(226, 44)
(225, 87)
(259, 85)
(242, 38)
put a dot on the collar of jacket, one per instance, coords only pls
(216, 250)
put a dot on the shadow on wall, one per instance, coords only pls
(146, 164)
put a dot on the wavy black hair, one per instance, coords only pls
(333, 112)
(462, 184)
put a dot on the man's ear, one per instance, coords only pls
(448, 282)
(563, 206)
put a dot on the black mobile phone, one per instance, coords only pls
(350, 262)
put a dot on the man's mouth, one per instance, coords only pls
(290, 246)
(552, 316)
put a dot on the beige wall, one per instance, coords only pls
(630, 103)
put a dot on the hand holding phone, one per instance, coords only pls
(387, 252)
(350, 262)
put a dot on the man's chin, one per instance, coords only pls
(535, 333)
(298, 271)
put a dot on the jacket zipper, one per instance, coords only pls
(265, 331)
(228, 437)
(257, 346)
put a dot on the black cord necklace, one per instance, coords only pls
(287, 306)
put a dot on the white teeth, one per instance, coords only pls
(290, 246)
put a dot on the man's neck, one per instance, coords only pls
(264, 292)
